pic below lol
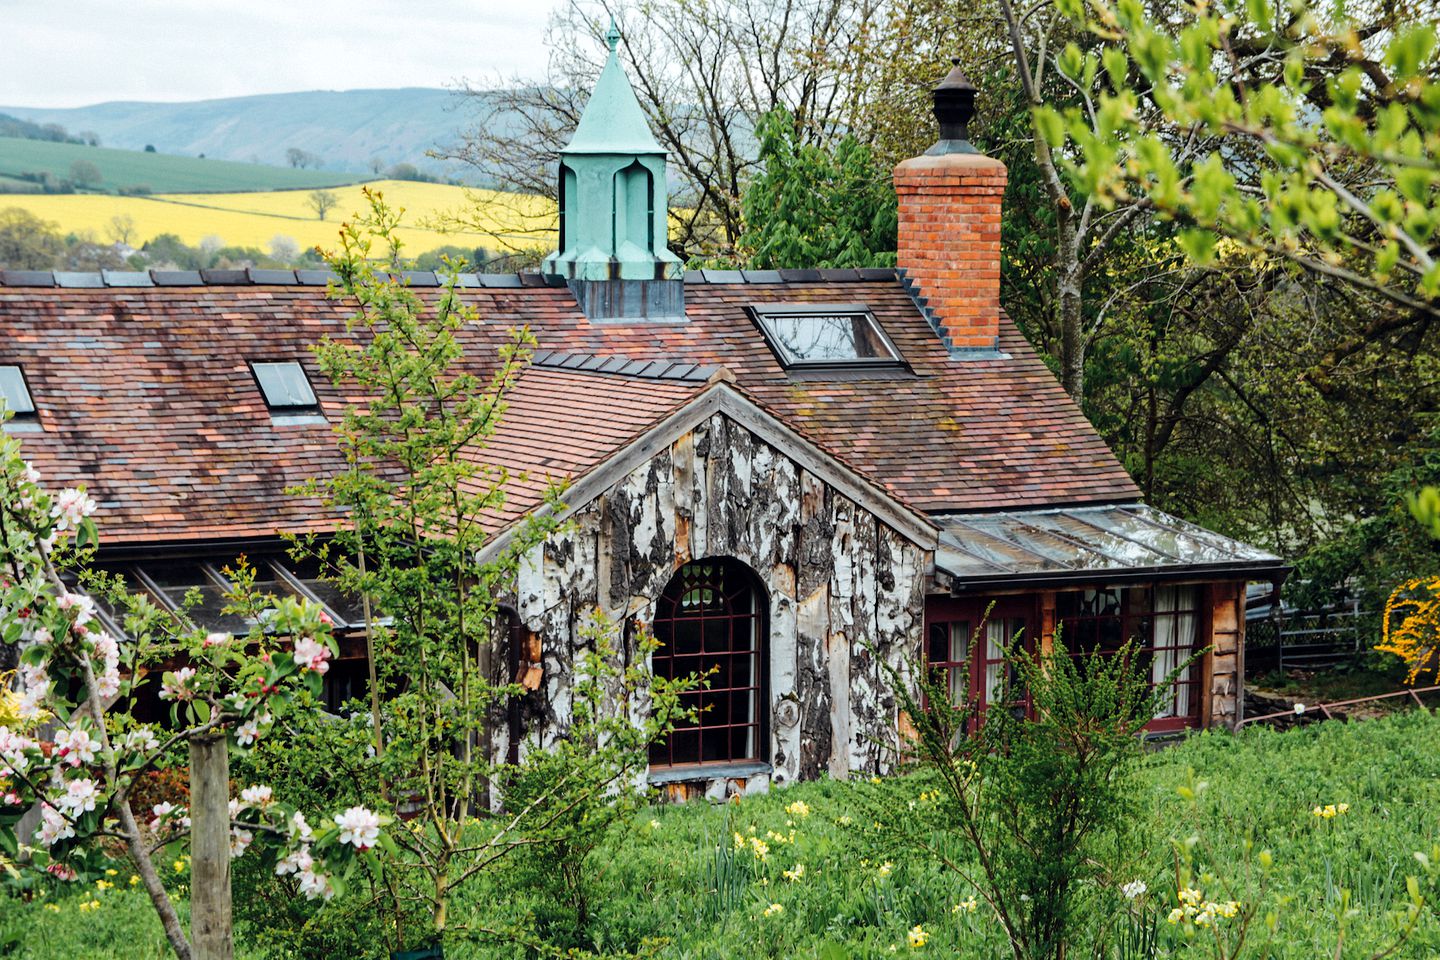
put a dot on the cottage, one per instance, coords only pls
(794, 476)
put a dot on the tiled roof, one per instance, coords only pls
(560, 423)
(145, 392)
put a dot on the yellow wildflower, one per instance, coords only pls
(134, 879)
(917, 937)
(654, 824)
(799, 809)
(845, 820)
(968, 905)
(740, 841)
(760, 848)
(112, 872)
(53, 907)
(774, 909)
(1176, 915)
(103, 884)
(885, 869)
(794, 873)
(92, 905)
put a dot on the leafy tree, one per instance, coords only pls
(812, 207)
(79, 752)
(322, 201)
(83, 173)
(1330, 126)
(416, 492)
(27, 242)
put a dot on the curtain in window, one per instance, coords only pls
(1173, 643)
(959, 677)
(995, 650)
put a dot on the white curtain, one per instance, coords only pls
(1174, 641)
(995, 651)
(959, 677)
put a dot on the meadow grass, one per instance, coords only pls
(159, 172)
(687, 880)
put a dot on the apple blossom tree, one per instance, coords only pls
(72, 749)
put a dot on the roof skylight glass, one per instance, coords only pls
(14, 394)
(825, 334)
(285, 385)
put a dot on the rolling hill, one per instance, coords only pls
(347, 129)
(157, 172)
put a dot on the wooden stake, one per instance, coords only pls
(211, 934)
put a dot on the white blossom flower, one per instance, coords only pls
(53, 826)
(71, 506)
(1133, 889)
(180, 688)
(80, 796)
(76, 746)
(358, 827)
(257, 796)
(239, 841)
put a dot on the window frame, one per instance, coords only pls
(285, 409)
(761, 314)
(973, 613)
(662, 753)
(1137, 613)
(22, 418)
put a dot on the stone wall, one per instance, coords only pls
(846, 591)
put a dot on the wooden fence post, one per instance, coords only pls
(211, 935)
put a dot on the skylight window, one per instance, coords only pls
(15, 396)
(285, 386)
(825, 335)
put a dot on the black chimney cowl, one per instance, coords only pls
(954, 106)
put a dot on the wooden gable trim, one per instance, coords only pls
(721, 397)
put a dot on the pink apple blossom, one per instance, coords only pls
(180, 688)
(310, 654)
(257, 796)
(71, 506)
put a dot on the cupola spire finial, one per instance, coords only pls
(612, 36)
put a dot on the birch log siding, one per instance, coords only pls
(844, 591)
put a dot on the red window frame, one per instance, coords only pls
(1007, 616)
(1132, 616)
(713, 615)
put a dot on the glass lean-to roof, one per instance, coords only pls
(169, 583)
(1129, 541)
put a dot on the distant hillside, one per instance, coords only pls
(351, 130)
(133, 171)
(25, 130)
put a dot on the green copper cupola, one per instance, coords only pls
(613, 210)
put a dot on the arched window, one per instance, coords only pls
(711, 617)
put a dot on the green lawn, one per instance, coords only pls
(159, 172)
(1261, 787)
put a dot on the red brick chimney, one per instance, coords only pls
(950, 226)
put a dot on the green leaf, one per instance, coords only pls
(1050, 125)
(1199, 246)
(1116, 66)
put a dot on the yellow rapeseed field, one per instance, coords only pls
(257, 219)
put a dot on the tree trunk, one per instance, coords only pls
(1072, 313)
(211, 935)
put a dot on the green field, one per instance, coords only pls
(160, 173)
(653, 887)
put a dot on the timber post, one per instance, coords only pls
(211, 934)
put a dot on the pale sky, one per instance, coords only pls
(70, 53)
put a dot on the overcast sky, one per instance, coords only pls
(69, 53)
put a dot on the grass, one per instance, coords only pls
(160, 172)
(256, 219)
(673, 876)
